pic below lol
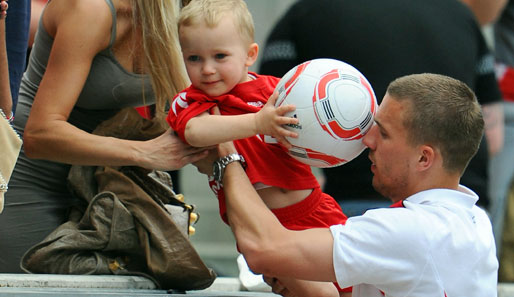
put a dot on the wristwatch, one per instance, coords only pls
(219, 165)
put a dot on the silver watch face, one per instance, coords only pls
(220, 164)
(217, 169)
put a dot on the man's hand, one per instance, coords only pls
(270, 120)
(294, 287)
(277, 287)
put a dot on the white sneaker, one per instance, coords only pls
(249, 280)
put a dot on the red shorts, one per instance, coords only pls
(318, 210)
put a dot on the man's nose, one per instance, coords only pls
(369, 138)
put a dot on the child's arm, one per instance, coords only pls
(206, 130)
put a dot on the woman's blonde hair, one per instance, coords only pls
(157, 20)
(213, 11)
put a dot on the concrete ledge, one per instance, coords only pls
(226, 284)
(81, 292)
(506, 290)
(56, 285)
(123, 285)
(75, 281)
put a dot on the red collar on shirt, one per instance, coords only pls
(397, 204)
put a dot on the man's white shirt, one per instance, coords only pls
(439, 244)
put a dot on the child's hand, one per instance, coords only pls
(270, 120)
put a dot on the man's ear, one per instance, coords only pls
(427, 157)
(253, 53)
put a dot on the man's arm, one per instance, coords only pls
(268, 247)
(486, 11)
(494, 126)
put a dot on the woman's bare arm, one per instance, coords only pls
(81, 29)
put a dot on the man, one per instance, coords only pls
(437, 242)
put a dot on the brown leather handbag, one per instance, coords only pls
(10, 145)
(134, 224)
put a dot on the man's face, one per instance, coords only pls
(393, 158)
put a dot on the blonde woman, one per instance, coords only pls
(90, 59)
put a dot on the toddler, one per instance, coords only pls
(216, 37)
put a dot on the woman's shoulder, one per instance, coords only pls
(93, 9)
(92, 14)
(91, 19)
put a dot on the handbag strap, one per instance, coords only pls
(3, 184)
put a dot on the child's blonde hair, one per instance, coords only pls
(212, 12)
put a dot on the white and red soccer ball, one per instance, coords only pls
(335, 106)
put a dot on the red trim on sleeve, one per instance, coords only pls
(506, 84)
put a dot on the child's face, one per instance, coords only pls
(217, 59)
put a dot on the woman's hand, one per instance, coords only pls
(205, 165)
(270, 120)
(169, 152)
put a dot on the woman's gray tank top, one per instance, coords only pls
(108, 88)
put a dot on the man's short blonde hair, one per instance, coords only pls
(213, 11)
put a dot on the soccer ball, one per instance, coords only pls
(335, 106)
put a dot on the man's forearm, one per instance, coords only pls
(251, 221)
(494, 126)
(269, 248)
